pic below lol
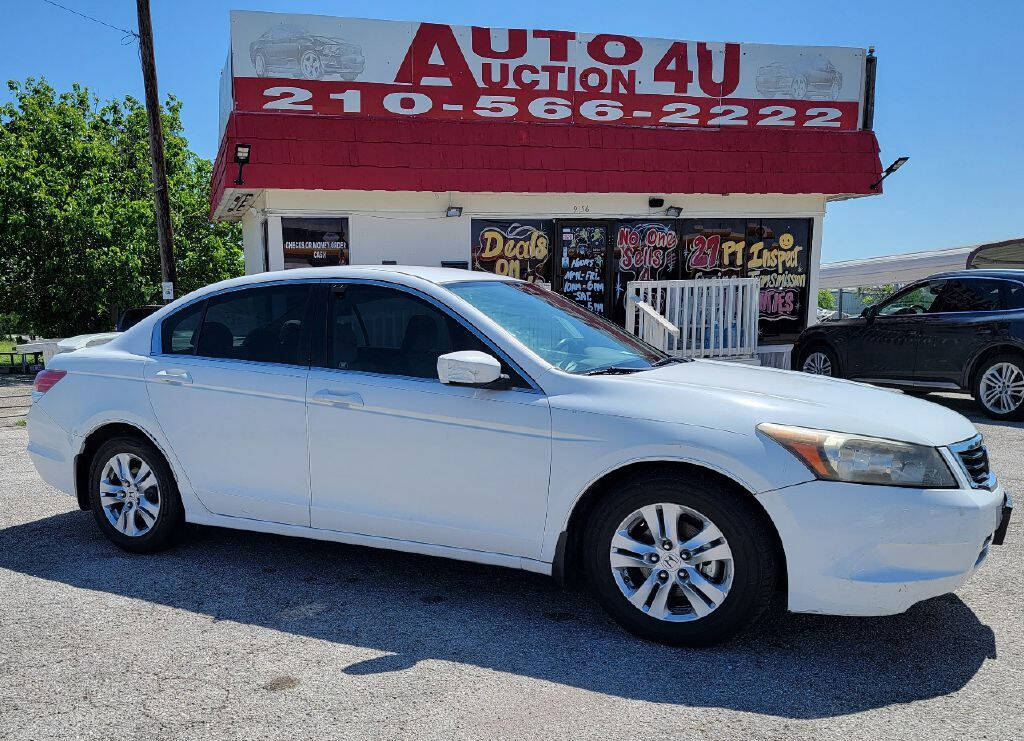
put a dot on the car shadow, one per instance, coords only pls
(414, 608)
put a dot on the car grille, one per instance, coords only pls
(973, 458)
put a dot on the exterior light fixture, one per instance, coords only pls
(655, 202)
(454, 211)
(241, 159)
(900, 161)
(673, 212)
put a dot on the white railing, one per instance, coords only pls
(654, 329)
(712, 317)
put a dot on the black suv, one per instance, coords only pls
(953, 331)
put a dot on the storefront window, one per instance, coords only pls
(518, 249)
(315, 242)
(776, 251)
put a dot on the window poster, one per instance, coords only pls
(314, 242)
(518, 249)
(776, 251)
(583, 248)
(644, 250)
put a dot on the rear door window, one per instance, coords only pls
(969, 294)
(265, 325)
(179, 331)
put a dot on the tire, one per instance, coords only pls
(310, 65)
(747, 579)
(1002, 371)
(259, 63)
(821, 357)
(156, 516)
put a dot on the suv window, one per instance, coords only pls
(178, 332)
(915, 299)
(377, 329)
(259, 324)
(969, 294)
(1013, 294)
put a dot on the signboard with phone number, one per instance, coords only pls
(357, 67)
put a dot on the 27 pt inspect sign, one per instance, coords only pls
(350, 66)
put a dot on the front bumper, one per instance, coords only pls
(854, 549)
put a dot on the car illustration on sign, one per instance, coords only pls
(807, 79)
(287, 50)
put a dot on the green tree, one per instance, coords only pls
(826, 300)
(77, 228)
(870, 295)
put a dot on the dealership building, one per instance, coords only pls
(578, 160)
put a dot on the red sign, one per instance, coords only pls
(357, 67)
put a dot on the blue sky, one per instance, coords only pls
(950, 90)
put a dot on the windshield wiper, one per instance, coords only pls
(666, 361)
(612, 370)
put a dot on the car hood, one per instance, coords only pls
(737, 397)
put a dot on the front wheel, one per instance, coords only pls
(999, 387)
(819, 361)
(686, 562)
(133, 495)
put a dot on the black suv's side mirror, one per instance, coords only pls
(870, 312)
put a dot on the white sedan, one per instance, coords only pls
(465, 415)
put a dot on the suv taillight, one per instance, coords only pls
(47, 379)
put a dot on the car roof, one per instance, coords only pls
(989, 273)
(439, 276)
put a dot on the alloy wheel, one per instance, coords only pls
(311, 66)
(817, 363)
(1002, 388)
(671, 562)
(130, 494)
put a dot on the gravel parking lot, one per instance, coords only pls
(239, 635)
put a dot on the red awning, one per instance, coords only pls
(336, 153)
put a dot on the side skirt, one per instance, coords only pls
(372, 541)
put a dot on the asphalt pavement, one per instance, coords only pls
(241, 635)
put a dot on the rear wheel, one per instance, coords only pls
(683, 562)
(819, 361)
(999, 387)
(133, 495)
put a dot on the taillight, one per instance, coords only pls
(46, 379)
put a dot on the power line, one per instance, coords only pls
(129, 35)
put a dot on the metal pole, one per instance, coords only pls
(165, 238)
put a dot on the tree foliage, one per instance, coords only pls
(826, 300)
(77, 227)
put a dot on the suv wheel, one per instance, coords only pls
(687, 563)
(819, 361)
(133, 495)
(999, 387)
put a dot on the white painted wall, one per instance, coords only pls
(411, 228)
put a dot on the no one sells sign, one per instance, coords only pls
(349, 66)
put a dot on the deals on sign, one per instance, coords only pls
(517, 249)
(350, 66)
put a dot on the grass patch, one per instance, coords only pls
(21, 423)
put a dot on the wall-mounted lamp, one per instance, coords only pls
(242, 159)
(673, 212)
(454, 211)
(655, 202)
(900, 161)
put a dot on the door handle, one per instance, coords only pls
(338, 398)
(174, 375)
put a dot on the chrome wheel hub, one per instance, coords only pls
(129, 494)
(1002, 388)
(671, 562)
(818, 364)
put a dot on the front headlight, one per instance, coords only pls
(857, 459)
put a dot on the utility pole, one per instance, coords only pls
(156, 152)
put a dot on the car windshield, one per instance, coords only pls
(562, 333)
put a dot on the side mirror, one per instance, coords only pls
(870, 312)
(471, 368)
